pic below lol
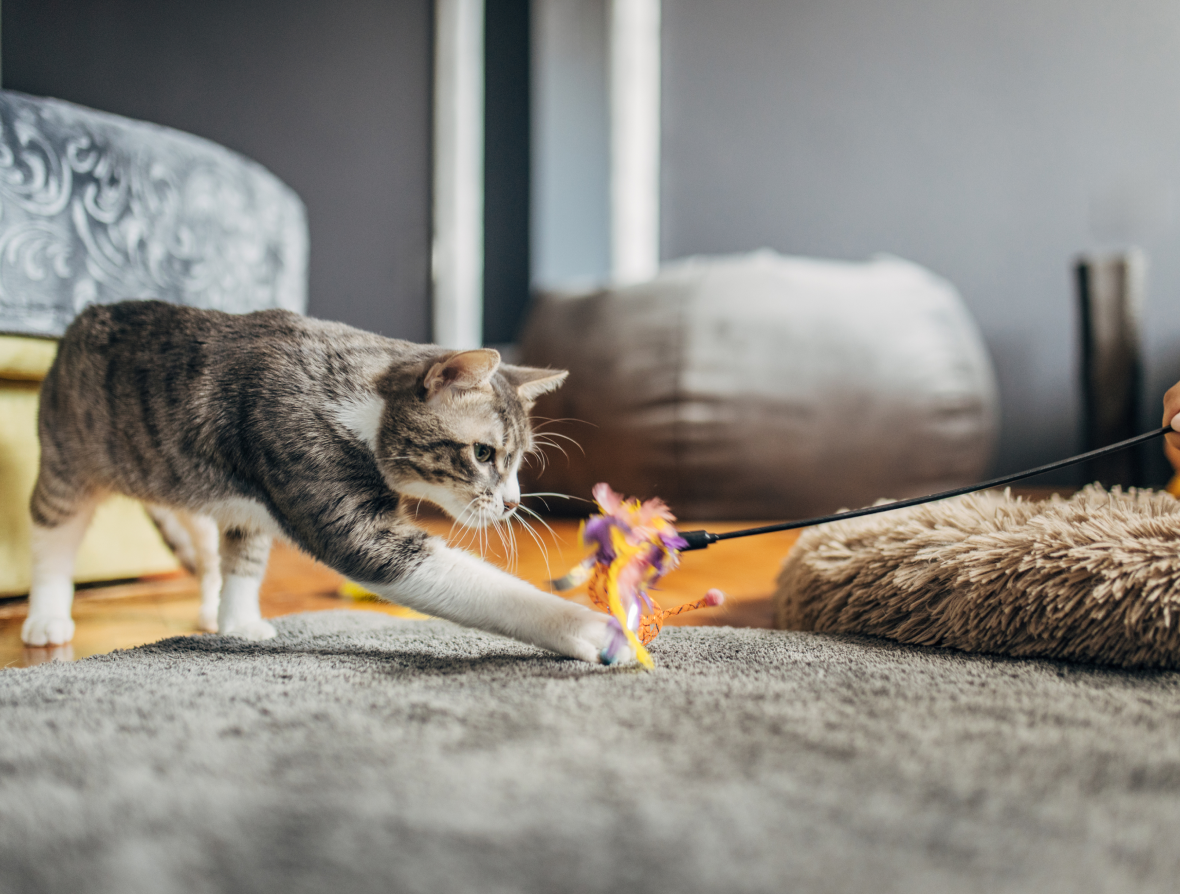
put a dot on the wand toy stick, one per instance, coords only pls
(633, 545)
(702, 539)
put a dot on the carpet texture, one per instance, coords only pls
(360, 753)
(1095, 578)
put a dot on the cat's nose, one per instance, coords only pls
(510, 505)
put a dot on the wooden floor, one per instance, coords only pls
(130, 614)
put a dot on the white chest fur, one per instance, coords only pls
(361, 416)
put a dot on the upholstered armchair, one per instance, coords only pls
(95, 208)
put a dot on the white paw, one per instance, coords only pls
(207, 619)
(587, 635)
(253, 630)
(47, 630)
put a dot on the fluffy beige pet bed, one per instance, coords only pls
(1095, 578)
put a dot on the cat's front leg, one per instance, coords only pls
(243, 564)
(449, 583)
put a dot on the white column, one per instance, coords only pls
(571, 143)
(458, 173)
(635, 139)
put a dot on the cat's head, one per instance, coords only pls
(458, 437)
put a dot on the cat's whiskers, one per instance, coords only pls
(504, 547)
(541, 442)
(543, 437)
(540, 544)
(454, 521)
(540, 494)
(515, 546)
(536, 452)
(457, 520)
(547, 420)
(480, 533)
(508, 541)
(552, 533)
(504, 529)
(555, 434)
(484, 538)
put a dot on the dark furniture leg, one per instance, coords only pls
(1110, 297)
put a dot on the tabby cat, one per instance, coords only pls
(241, 428)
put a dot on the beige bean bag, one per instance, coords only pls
(764, 386)
(1095, 578)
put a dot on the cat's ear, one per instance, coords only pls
(531, 382)
(462, 371)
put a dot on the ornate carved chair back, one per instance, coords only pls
(95, 208)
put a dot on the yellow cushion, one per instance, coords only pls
(122, 541)
(25, 359)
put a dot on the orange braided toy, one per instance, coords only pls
(635, 544)
(650, 624)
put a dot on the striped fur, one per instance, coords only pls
(274, 424)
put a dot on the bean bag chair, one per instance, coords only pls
(763, 386)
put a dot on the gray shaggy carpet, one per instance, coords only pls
(358, 753)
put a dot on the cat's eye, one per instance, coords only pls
(484, 453)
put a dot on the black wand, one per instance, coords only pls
(701, 539)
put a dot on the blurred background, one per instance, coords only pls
(992, 143)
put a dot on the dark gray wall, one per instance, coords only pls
(507, 155)
(990, 142)
(334, 98)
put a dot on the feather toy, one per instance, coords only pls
(633, 546)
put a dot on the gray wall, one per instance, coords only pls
(334, 98)
(990, 142)
(571, 143)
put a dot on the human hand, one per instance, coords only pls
(1172, 417)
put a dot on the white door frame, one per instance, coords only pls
(457, 255)
(635, 139)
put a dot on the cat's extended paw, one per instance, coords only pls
(589, 638)
(255, 630)
(47, 630)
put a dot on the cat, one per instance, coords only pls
(240, 428)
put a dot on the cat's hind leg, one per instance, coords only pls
(206, 538)
(60, 519)
(194, 539)
(243, 564)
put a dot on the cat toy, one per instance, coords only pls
(635, 544)
(702, 539)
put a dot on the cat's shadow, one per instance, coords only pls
(396, 662)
